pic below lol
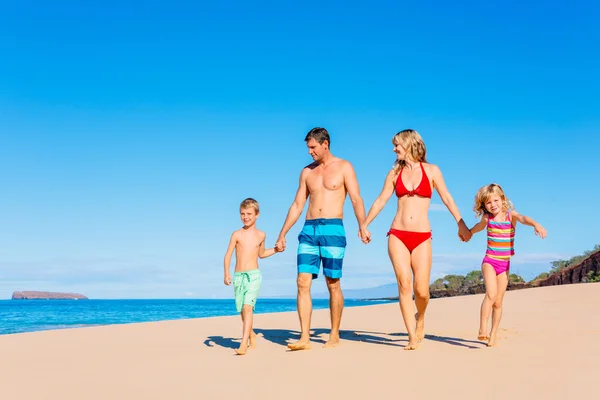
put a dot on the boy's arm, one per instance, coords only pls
(227, 261)
(295, 210)
(478, 227)
(262, 253)
(525, 220)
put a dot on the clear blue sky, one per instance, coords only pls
(130, 131)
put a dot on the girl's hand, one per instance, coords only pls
(539, 231)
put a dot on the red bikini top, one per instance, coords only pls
(423, 190)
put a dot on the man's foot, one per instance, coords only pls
(412, 345)
(492, 342)
(241, 350)
(420, 331)
(300, 345)
(252, 340)
(333, 341)
(482, 335)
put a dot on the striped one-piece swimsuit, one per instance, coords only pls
(500, 244)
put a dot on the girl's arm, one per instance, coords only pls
(478, 227)
(525, 220)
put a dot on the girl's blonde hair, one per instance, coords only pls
(483, 195)
(412, 142)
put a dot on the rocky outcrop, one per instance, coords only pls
(474, 289)
(577, 273)
(34, 295)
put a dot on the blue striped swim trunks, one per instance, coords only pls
(322, 240)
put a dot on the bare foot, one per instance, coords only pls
(241, 351)
(300, 345)
(332, 342)
(492, 342)
(420, 331)
(252, 340)
(483, 336)
(412, 345)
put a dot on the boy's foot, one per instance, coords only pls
(492, 342)
(420, 331)
(241, 351)
(252, 340)
(483, 336)
(300, 345)
(332, 342)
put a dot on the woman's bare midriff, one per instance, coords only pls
(412, 214)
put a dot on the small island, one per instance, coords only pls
(36, 295)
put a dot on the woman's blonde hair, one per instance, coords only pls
(483, 195)
(413, 144)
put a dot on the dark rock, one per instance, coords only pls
(34, 295)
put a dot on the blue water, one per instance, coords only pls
(18, 316)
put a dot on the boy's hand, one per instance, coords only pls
(227, 280)
(539, 231)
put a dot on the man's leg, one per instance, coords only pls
(304, 304)
(336, 306)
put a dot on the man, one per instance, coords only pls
(325, 184)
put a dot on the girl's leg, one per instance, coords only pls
(421, 267)
(400, 258)
(247, 329)
(491, 292)
(502, 283)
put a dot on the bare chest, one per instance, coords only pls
(325, 179)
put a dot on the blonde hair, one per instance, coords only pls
(250, 203)
(412, 142)
(483, 195)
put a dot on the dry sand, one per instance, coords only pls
(549, 348)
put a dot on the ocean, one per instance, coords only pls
(18, 316)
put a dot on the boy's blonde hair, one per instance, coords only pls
(250, 203)
(412, 142)
(483, 195)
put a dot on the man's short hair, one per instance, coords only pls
(319, 134)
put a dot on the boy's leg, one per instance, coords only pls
(491, 292)
(247, 328)
(502, 283)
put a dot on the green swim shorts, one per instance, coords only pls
(246, 286)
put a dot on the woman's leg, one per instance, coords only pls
(400, 258)
(421, 267)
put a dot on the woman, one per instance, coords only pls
(409, 242)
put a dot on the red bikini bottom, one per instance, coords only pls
(410, 239)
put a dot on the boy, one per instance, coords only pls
(249, 245)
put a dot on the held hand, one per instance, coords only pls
(227, 280)
(540, 231)
(280, 245)
(364, 235)
(463, 232)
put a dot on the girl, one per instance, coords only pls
(498, 215)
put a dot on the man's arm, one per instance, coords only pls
(227, 261)
(295, 210)
(354, 193)
(440, 186)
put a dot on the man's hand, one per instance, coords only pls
(280, 244)
(227, 280)
(364, 235)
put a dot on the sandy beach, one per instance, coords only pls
(549, 349)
